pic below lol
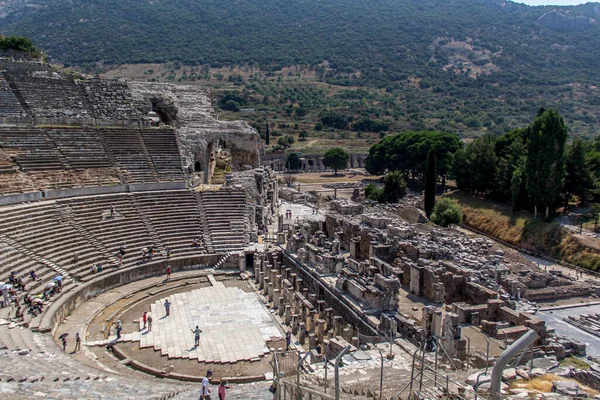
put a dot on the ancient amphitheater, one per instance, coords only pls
(143, 243)
(97, 191)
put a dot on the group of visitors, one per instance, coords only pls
(97, 268)
(147, 319)
(205, 390)
(63, 339)
(288, 214)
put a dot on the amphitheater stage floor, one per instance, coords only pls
(238, 331)
(235, 325)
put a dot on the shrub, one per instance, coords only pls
(446, 212)
(372, 192)
(394, 187)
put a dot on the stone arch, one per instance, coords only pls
(166, 110)
(197, 166)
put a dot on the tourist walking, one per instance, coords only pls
(119, 329)
(168, 272)
(77, 343)
(63, 338)
(167, 306)
(205, 391)
(222, 389)
(145, 319)
(149, 323)
(196, 333)
(168, 253)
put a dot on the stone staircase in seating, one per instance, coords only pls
(225, 213)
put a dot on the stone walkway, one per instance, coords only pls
(235, 326)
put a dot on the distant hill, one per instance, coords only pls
(494, 52)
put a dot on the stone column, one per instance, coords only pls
(266, 286)
(256, 273)
(302, 335)
(270, 289)
(312, 343)
(320, 330)
(288, 315)
(295, 323)
(261, 280)
(275, 299)
(299, 285)
(337, 325)
(281, 306)
(309, 321)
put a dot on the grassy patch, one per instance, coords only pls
(575, 363)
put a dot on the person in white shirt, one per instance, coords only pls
(205, 391)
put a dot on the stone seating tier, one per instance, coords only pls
(82, 148)
(45, 236)
(33, 365)
(9, 104)
(49, 93)
(76, 148)
(162, 146)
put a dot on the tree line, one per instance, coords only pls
(531, 167)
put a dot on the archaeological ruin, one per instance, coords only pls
(163, 242)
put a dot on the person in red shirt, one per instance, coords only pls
(222, 389)
(168, 272)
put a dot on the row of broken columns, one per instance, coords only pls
(300, 310)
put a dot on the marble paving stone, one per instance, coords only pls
(235, 325)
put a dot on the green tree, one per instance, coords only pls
(394, 187)
(514, 155)
(303, 135)
(515, 186)
(293, 162)
(336, 159)
(407, 152)
(334, 120)
(460, 170)
(545, 168)
(474, 168)
(483, 164)
(579, 179)
(372, 192)
(267, 138)
(446, 212)
(430, 181)
(17, 43)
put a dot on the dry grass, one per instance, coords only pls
(575, 363)
(497, 219)
(328, 177)
(493, 218)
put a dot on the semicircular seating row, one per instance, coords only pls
(46, 236)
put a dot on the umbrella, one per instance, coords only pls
(2, 283)
(37, 301)
(6, 286)
(58, 278)
(51, 285)
(64, 335)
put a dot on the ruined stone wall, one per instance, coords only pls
(199, 131)
(109, 99)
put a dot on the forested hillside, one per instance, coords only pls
(475, 62)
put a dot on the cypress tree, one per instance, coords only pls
(267, 139)
(430, 179)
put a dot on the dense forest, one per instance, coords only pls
(481, 64)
